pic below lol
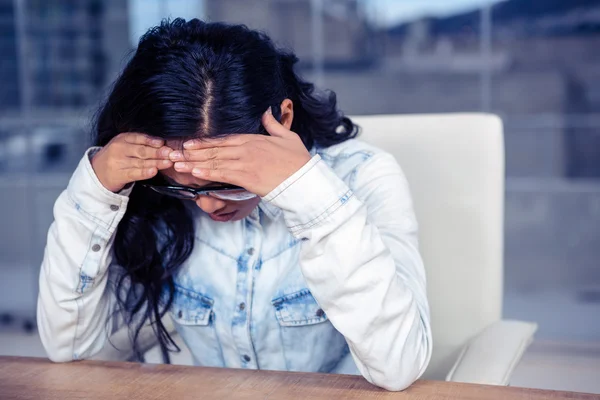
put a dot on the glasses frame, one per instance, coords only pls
(195, 192)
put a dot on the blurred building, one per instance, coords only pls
(58, 57)
(544, 69)
(71, 49)
(9, 68)
(347, 37)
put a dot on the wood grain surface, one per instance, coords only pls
(34, 378)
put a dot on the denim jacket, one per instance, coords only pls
(323, 276)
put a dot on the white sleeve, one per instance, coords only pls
(75, 303)
(361, 261)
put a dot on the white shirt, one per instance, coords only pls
(325, 275)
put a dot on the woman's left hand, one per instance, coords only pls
(258, 163)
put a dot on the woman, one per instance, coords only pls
(309, 263)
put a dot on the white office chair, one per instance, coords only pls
(454, 164)
(455, 167)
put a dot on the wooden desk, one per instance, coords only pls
(34, 378)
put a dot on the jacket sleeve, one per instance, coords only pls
(361, 261)
(75, 301)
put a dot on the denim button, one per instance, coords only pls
(320, 312)
(96, 247)
(179, 314)
(242, 306)
(251, 250)
(247, 358)
(114, 207)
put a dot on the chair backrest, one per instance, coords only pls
(454, 164)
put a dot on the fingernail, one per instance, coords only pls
(164, 152)
(175, 155)
(157, 142)
(197, 171)
(180, 165)
(269, 111)
(188, 144)
(166, 162)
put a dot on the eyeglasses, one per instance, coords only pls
(220, 191)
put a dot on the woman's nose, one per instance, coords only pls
(210, 204)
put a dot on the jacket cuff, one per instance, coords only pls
(311, 197)
(92, 199)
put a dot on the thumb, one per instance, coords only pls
(273, 126)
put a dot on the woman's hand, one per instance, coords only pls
(257, 163)
(130, 157)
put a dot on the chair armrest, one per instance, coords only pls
(119, 348)
(492, 356)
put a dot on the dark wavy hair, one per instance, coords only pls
(196, 79)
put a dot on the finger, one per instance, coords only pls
(164, 164)
(233, 177)
(142, 138)
(145, 164)
(273, 126)
(148, 153)
(211, 153)
(227, 141)
(136, 174)
(189, 166)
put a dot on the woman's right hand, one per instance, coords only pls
(130, 157)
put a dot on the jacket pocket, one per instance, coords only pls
(298, 309)
(191, 308)
(194, 318)
(309, 340)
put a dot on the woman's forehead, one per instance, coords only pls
(185, 179)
